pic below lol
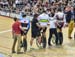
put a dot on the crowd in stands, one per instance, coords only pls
(34, 6)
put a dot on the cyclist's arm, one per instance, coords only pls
(21, 27)
(28, 26)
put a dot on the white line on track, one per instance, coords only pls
(5, 31)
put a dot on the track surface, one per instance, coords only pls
(66, 50)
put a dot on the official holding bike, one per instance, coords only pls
(52, 30)
(35, 31)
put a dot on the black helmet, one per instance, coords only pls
(24, 15)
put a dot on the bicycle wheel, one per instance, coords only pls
(43, 42)
(25, 45)
(53, 39)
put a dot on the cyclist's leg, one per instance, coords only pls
(44, 32)
(25, 41)
(22, 36)
(44, 38)
(71, 26)
(61, 39)
(39, 40)
(39, 36)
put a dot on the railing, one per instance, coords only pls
(9, 14)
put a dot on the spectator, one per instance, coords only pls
(16, 33)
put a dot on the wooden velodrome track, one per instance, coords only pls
(67, 49)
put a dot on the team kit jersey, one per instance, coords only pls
(25, 23)
(60, 17)
(43, 19)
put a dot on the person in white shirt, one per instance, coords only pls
(52, 30)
